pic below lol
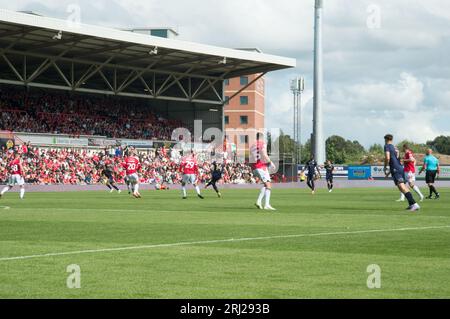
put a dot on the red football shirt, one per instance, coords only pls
(131, 165)
(256, 150)
(189, 166)
(409, 166)
(15, 167)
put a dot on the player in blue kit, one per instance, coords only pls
(396, 170)
(313, 174)
(216, 175)
(329, 167)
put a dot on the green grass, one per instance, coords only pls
(414, 263)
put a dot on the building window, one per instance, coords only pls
(244, 80)
(162, 33)
(244, 119)
(227, 100)
(243, 139)
(227, 120)
(226, 82)
(244, 100)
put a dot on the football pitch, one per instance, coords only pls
(164, 247)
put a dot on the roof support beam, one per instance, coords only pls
(15, 32)
(12, 67)
(58, 42)
(109, 65)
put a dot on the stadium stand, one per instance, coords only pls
(62, 113)
(46, 166)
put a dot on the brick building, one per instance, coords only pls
(244, 114)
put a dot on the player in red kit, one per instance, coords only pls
(261, 165)
(189, 169)
(132, 166)
(16, 176)
(409, 164)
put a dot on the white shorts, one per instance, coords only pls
(133, 178)
(16, 179)
(262, 174)
(411, 177)
(189, 178)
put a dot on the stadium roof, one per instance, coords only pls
(53, 53)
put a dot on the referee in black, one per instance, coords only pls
(432, 168)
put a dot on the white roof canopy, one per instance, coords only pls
(53, 53)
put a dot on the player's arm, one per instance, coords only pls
(424, 167)
(409, 159)
(387, 158)
(265, 157)
(21, 168)
(438, 169)
(318, 171)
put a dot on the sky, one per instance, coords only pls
(386, 62)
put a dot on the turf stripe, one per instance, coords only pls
(220, 241)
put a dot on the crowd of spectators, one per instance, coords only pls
(62, 113)
(44, 166)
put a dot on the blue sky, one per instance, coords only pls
(386, 62)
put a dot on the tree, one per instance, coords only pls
(342, 151)
(286, 144)
(441, 144)
(376, 149)
(415, 147)
(306, 151)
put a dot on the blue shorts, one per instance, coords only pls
(398, 176)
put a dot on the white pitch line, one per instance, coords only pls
(5, 207)
(219, 241)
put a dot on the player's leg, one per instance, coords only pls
(268, 193)
(136, 186)
(214, 185)
(330, 184)
(430, 178)
(210, 183)
(413, 206)
(127, 183)
(308, 182)
(416, 189)
(5, 189)
(22, 192)
(434, 187)
(311, 183)
(112, 183)
(11, 182)
(262, 192)
(402, 197)
(193, 180)
(261, 195)
(183, 186)
(136, 190)
(21, 183)
(268, 186)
